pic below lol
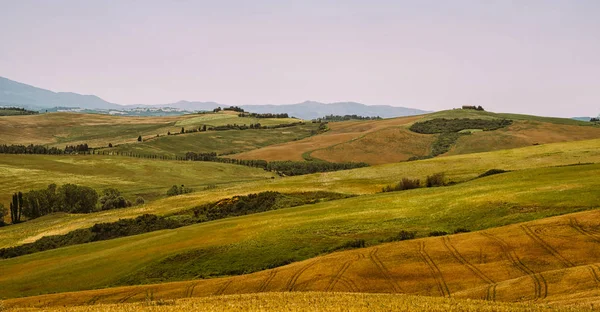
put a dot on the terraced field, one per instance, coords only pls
(554, 260)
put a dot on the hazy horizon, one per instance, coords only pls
(534, 57)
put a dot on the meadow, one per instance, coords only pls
(97, 130)
(132, 176)
(221, 142)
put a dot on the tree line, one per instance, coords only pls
(348, 117)
(287, 168)
(443, 125)
(69, 198)
(13, 111)
(265, 115)
(479, 108)
(30, 149)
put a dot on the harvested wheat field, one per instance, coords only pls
(554, 260)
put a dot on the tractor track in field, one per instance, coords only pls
(539, 282)
(95, 299)
(565, 262)
(189, 290)
(129, 296)
(294, 279)
(265, 283)
(383, 270)
(573, 223)
(491, 291)
(340, 272)
(435, 271)
(349, 283)
(594, 274)
(222, 289)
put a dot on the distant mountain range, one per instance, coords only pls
(13, 93)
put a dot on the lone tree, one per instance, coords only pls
(109, 144)
(140, 138)
(182, 130)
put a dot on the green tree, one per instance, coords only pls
(182, 130)
(140, 138)
(16, 208)
(77, 199)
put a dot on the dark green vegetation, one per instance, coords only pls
(265, 201)
(267, 115)
(70, 198)
(178, 190)
(334, 118)
(231, 207)
(443, 125)
(15, 111)
(44, 150)
(448, 131)
(287, 168)
(99, 232)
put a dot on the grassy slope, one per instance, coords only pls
(133, 176)
(387, 141)
(60, 129)
(359, 181)
(316, 301)
(255, 242)
(216, 141)
(554, 261)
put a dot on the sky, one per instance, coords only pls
(534, 57)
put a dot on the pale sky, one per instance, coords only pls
(537, 57)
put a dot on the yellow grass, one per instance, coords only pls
(340, 132)
(311, 301)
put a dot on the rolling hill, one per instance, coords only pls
(391, 140)
(259, 241)
(552, 260)
(534, 234)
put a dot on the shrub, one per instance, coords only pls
(461, 230)
(437, 179)
(492, 172)
(111, 199)
(401, 236)
(438, 233)
(139, 201)
(178, 190)
(405, 184)
(353, 244)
